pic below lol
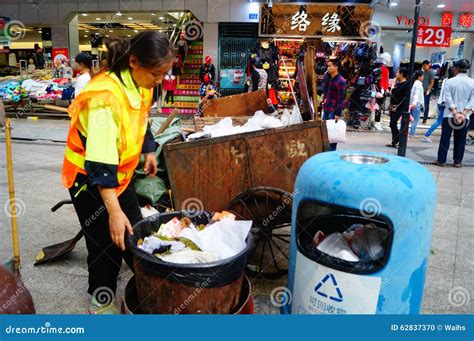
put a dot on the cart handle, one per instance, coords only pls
(60, 204)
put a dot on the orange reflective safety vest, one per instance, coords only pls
(133, 125)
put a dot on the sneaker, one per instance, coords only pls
(103, 309)
(154, 106)
(378, 126)
(426, 139)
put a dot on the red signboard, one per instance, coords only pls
(433, 36)
(447, 19)
(465, 20)
(60, 53)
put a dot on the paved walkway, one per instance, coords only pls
(61, 288)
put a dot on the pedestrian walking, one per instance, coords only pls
(334, 94)
(416, 101)
(400, 96)
(428, 83)
(459, 98)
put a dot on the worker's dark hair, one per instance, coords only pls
(426, 61)
(84, 59)
(152, 49)
(463, 65)
(418, 74)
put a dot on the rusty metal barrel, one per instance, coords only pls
(170, 288)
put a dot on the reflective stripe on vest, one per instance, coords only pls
(133, 125)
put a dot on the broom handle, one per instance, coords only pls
(55, 107)
(167, 122)
(11, 192)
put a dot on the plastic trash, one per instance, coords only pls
(335, 245)
(191, 257)
(148, 211)
(336, 131)
(367, 242)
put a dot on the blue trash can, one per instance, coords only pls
(379, 269)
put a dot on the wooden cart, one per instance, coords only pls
(252, 175)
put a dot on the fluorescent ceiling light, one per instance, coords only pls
(393, 4)
(153, 14)
(441, 6)
(119, 14)
(85, 35)
(98, 19)
(130, 18)
(161, 18)
(84, 14)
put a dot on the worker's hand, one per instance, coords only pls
(411, 107)
(151, 165)
(337, 118)
(118, 224)
(427, 92)
(459, 118)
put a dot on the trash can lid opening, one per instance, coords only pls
(361, 159)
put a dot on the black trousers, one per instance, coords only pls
(169, 94)
(104, 258)
(448, 128)
(394, 117)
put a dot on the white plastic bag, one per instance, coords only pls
(336, 131)
(335, 245)
(285, 118)
(296, 115)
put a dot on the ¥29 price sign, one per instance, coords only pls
(433, 36)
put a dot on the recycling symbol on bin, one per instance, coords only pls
(324, 287)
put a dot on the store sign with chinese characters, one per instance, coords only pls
(330, 22)
(311, 20)
(433, 36)
(300, 20)
(465, 20)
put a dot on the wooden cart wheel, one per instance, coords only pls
(270, 210)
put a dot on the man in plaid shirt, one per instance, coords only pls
(334, 94)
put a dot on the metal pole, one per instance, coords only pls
(402, 149)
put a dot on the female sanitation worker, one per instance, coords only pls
(109, 130)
